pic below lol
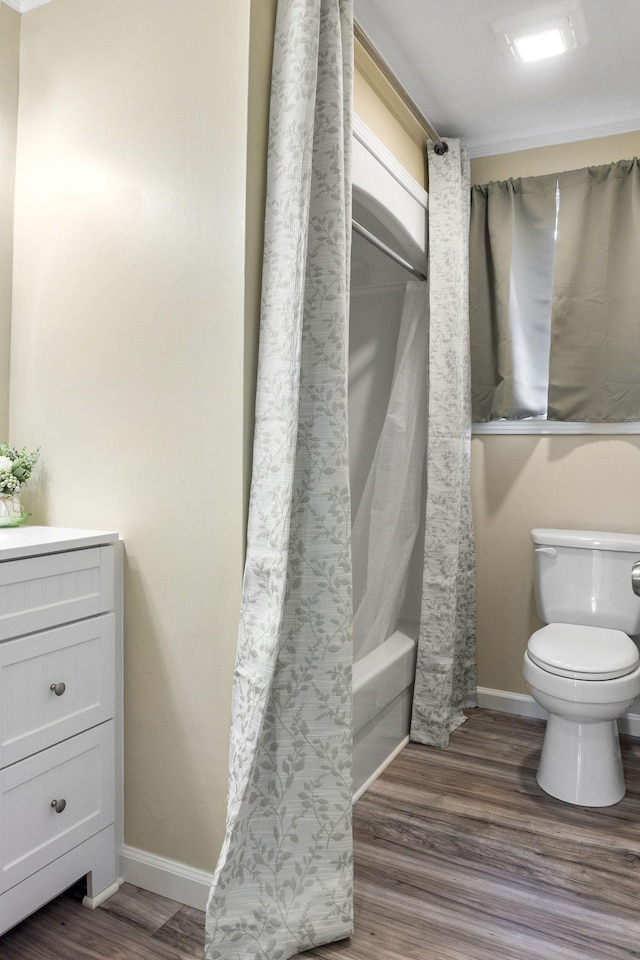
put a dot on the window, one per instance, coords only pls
(555, 297)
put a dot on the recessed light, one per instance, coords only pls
(543, 32)
(538, 46)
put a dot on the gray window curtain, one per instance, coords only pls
(554, 294)
(445, 672)
(512, 247)
(594, 369)
(283, 882)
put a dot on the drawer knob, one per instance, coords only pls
(58, 688)
(58, 805)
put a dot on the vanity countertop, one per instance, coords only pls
(16, 542)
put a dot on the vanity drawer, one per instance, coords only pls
(78, 772)
(78, 660)
(42, 592)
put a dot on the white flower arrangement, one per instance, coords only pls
(16, 467)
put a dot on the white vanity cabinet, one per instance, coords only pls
(59, 625)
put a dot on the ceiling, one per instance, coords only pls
(447, 56)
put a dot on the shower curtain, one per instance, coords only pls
(283, 882)
(445, 673)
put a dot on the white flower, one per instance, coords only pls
(6, 463)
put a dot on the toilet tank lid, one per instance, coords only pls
(587, 539)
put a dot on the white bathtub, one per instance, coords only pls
(382, 694)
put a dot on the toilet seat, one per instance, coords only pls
(583, 653)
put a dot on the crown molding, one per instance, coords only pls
(552, 139)
(23, 6)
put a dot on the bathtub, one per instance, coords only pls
(382, 694)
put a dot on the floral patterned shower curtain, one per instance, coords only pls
(284, 877)
(445, 673)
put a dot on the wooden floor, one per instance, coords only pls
(131, 925)
(459, 856)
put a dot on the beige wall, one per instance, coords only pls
(521, 482)
(9, 65)
(128, 356)
(379, 106)
(564, 156)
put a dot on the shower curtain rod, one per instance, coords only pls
(381, 245)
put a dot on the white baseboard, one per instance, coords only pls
(522, 705)
(92, 903)
(168, 878)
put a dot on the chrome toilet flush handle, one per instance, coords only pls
(547, 551)
(635, 578)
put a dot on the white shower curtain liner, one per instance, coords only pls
(388, 517)
(284, 877)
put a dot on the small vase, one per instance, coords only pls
(11, 514)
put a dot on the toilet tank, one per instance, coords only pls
(584, 576)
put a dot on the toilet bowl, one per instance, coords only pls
(581, 761)
(585, 672)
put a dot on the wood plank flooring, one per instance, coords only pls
(132, 925)
(459, 856)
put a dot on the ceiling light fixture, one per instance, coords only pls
(539, 46)
(544, 32)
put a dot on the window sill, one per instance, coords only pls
(553, 427)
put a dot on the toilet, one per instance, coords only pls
(583, 667)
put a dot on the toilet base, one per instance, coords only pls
(581, 762)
